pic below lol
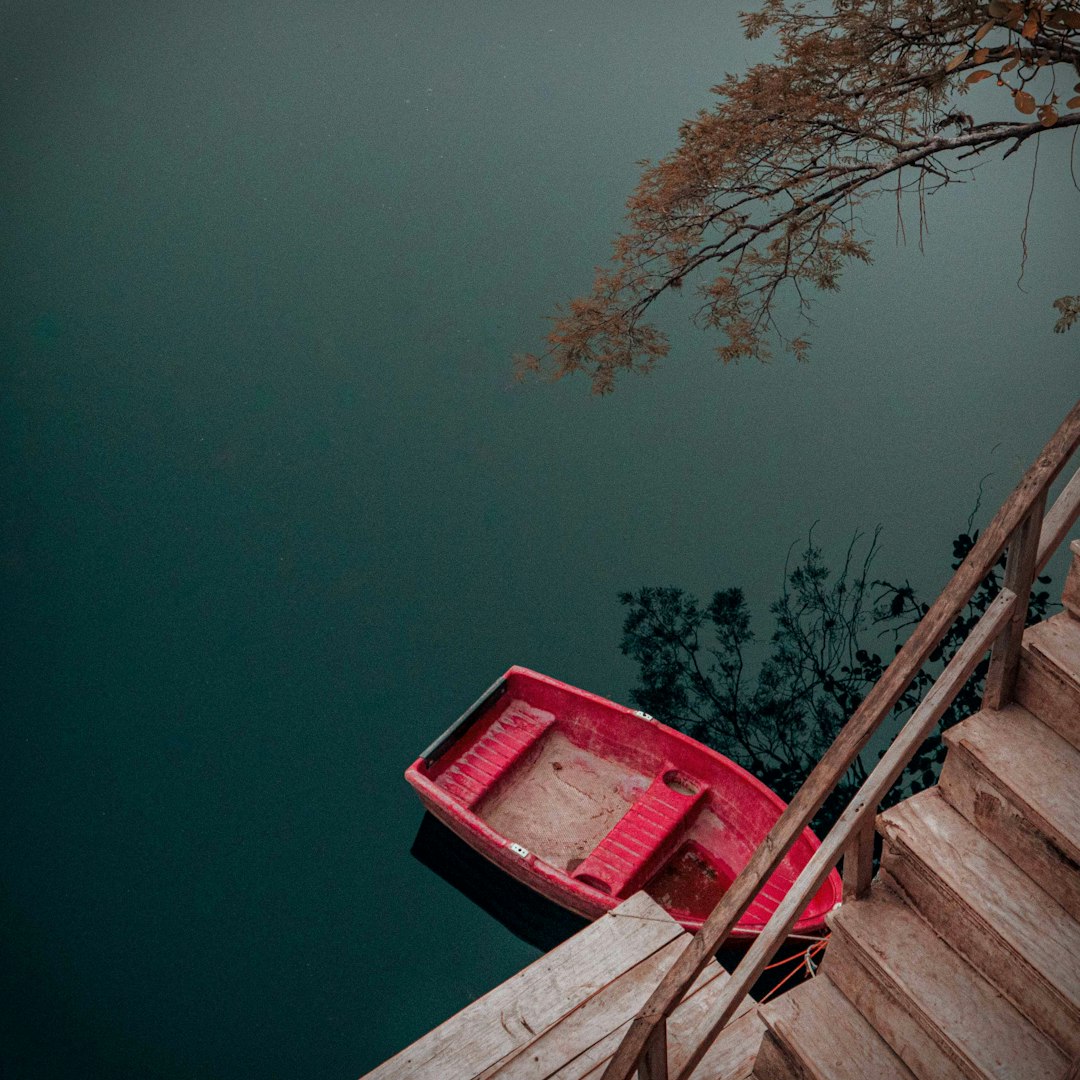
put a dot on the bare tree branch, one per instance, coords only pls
(762, 191)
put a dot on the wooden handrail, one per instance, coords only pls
(859, 812)
(646, 1035)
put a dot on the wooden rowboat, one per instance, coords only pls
(586, 802)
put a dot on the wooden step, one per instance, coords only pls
(815, 1033)
(1018, 782)
(988, 909)
(939, 1015)
(1048, 681)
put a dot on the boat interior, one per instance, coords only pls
(616, 802)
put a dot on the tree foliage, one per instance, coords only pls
(825, 653)
(762, 193)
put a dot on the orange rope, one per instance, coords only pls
(818, 942)
(805, 957)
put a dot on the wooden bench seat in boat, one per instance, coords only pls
(505, 743)
(644, 836)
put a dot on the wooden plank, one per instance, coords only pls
(1059, 519)
(731, 1056)
(590, 1022)
(939, 1015)
(988, 909)
(851, 740)
(1019, 574)
(588, 1036)
(516, 1011)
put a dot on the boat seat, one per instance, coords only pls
(505, 743)
(644, 836)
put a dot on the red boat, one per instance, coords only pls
(587, 802)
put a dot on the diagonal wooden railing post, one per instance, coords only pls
(848, 744)
(1020, 571)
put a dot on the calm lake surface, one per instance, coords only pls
(275, 511)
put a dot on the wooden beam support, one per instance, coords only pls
(859, 861)
(1019, 575)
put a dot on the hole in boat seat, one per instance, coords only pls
(644, 836)
(679, 783)
(503, 745)
(593, 882)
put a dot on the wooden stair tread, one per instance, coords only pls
(1038, 767)
(939, 1015)
(1057, 639)
(987, 908)
(827, 1036)
(1048, 681)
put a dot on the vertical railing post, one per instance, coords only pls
(859, 860)
(653, 1063)
(1020, 568)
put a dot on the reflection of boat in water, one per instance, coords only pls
(586, 802)
(523, 911)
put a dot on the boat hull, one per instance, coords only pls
(586, 801)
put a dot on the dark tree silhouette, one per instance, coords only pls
(824, 654)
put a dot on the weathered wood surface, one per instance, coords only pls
(514, 1013)
(1015, 780)
(731, 1057)
(940, 1016)
(1070, 595)
(988, 909)
(564, 1016)
(816, 1032)
(567, 1048)
(854, 736)
(1048, 683)
(859, 861)
(1059, 519)
(1019, 575)
(583, 1041)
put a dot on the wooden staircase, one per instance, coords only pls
(963, 961)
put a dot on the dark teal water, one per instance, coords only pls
(275, 512)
